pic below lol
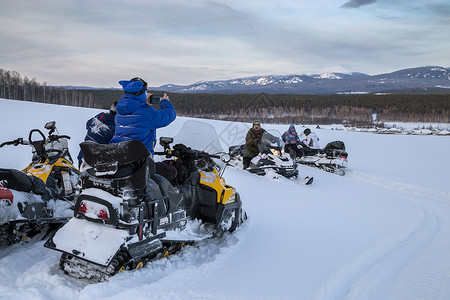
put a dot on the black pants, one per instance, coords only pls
(308, 151)
(246, 161)
(292, 147)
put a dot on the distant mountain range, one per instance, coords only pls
(415, 80)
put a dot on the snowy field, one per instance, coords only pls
(382, 231)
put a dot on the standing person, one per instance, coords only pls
(136, 118)
(100, 128)
(291, 140)
(252, 140)
(310, 144)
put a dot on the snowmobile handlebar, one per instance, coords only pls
(170, 153)
(57, 137)
(18, 141)
(167, 153)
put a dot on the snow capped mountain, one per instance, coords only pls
(328, 76)
(430, 72)
(324, 83)
(257, 81)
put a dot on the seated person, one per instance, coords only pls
(310, 144)
(252, 140)
(291, 140)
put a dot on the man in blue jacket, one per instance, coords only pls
(136, 119)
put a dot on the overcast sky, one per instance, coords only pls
(97, 43)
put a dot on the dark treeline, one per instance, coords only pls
(13, 86)
(321, 109)
(357, 110)
(300, 109)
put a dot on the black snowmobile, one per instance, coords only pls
(38, 198)
(127, 214)
(271, 156)
(332, 158)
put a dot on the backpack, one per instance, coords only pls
(335, 149)
(335, 145)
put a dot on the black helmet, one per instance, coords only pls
(113, 108)
(307, 131)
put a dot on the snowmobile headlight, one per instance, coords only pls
(232, 198)
(275, 152)
(208, 177)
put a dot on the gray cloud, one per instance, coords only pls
(357, 3)
(97, 43)
(441, 9)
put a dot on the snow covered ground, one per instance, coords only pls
(382, 231)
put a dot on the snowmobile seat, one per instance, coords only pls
(312, 153)
(117, 167)
(19, 181)
(108, 157)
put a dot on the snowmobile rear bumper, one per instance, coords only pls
(93, 242)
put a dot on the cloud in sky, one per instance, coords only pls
(98, 43)
(357, 3)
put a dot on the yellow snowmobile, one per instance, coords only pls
(39, 197)
(130, 212)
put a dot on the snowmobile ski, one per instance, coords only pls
(308, 180)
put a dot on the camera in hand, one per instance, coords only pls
(154, 99)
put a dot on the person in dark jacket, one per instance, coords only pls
(252, 140)
(100, 128)
(136, 119)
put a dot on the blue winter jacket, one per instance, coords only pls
(136, 120)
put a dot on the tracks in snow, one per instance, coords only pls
(401, 266)
(409, 189)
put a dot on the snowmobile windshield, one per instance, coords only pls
(272, 139)
(199, 136)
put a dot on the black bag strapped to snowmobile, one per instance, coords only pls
(167, 169)
(335, 149)
(338, 145)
